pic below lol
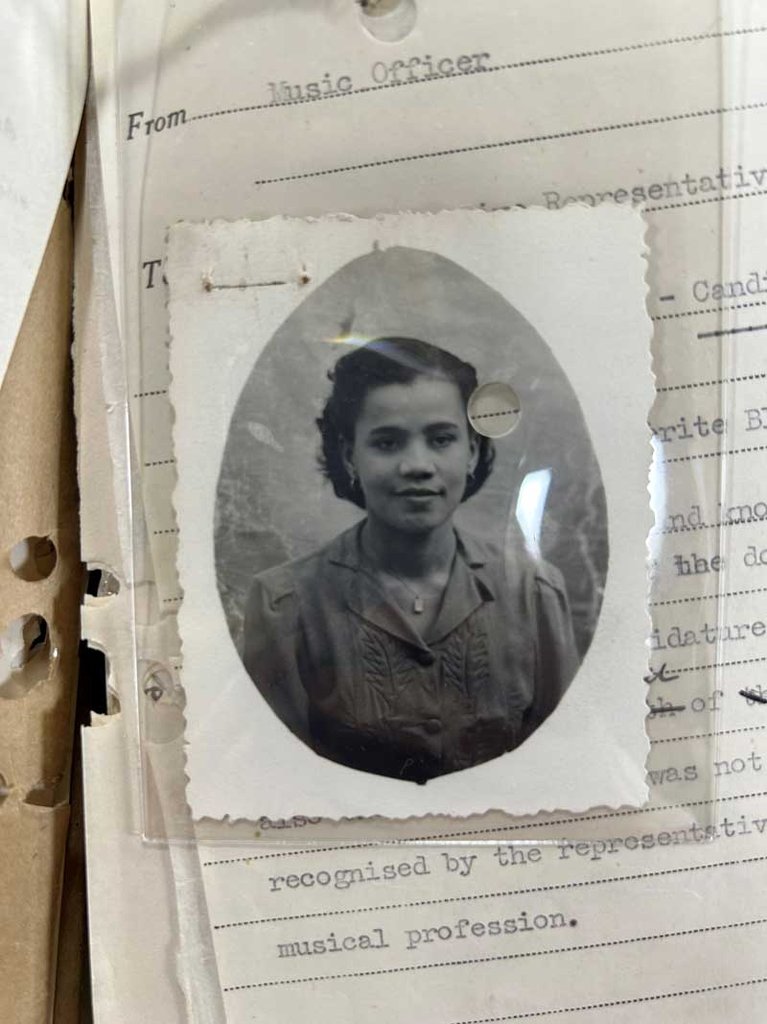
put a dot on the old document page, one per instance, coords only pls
(224, 111)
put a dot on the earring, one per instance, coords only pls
(352, 476)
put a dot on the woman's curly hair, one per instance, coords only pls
(382, 361)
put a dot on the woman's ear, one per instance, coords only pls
(473, 453)
(347, 459)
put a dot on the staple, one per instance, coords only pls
(210, 287)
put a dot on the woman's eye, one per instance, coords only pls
(384, 444)
(442, 440)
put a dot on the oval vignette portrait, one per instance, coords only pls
(410, 587)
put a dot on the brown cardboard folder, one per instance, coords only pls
(38, 499)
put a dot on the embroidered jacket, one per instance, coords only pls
(349, 676)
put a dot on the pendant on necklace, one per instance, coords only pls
(418, 604)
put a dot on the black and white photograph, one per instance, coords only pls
(411, 530)
(406, 644)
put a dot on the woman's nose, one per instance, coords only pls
(417, 461)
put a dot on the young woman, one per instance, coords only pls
(406, 647)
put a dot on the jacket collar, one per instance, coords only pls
(467, 589)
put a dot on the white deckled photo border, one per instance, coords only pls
(578, 277)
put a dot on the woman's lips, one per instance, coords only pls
(418, 492)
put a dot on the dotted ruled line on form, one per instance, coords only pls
(467, 833)
(709, 735)
(711, 597)
(719, 664)
(530, 1015)
(512, 66)
(502, 957)
(717, 454)
(585, 883)
(644, 122)
(711, 309)
(711, 199)
(707, 526)
(710, 383)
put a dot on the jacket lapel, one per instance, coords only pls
(363, 595)
(466, 591)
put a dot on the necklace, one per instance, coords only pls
(418, 606)
(417, 599)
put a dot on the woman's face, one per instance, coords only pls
(412, 453)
